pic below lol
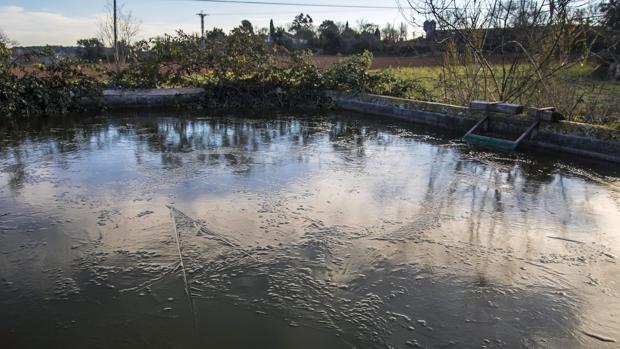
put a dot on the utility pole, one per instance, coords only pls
(202, 27)
(118, 69)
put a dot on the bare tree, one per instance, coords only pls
(403, 32)
(389, 33)
(608, 31)
(5, 40)
(5, 52)
(506, 50)
(128, 30)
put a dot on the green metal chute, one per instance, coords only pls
(497, 143)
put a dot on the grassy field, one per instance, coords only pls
(383, 62)
(583, 97)
(428, 76)
(427, 70)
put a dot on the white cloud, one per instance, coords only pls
(40, 27)
(152, 29)
(34, 28)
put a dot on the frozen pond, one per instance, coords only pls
(333, 231)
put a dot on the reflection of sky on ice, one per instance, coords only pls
(472, 237)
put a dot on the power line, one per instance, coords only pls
(299, 4)
(371, 7)
(116, 58)
(368, 7)
(271, 13)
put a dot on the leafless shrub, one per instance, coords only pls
(128, 30)
(504, 50)
(5, 40)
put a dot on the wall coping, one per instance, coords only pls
(571, 137)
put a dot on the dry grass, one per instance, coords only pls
(580, 96)
(381, 62)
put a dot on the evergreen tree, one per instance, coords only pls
(247, 27)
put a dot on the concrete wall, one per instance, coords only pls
(574, 138)
(115, 99)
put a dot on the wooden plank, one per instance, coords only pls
(537, 112)
(548, 114)
(471, 131)
(551, 116)
(481, 105)
(526, 133)
(507, 108)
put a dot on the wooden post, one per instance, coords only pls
(116, 58)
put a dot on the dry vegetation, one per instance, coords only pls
(383, 62)
(583, 97)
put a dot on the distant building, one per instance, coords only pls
(287, 40)
(429, 28)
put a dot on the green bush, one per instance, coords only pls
(240, 70)
(388, 84)
(351, 73)
(54, 88)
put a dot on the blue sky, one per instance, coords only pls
(63, 22)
